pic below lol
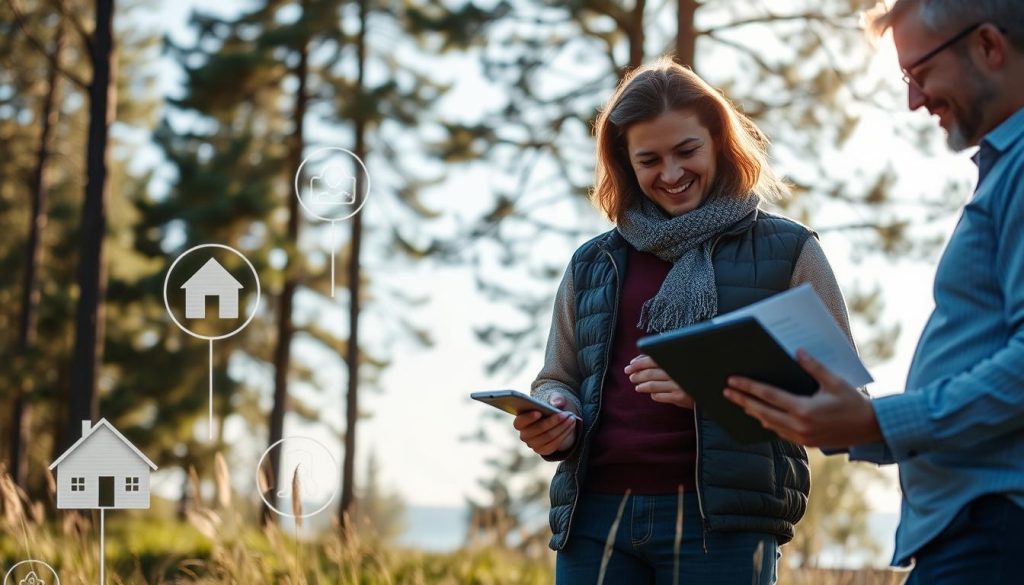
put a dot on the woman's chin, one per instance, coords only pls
(677, 208)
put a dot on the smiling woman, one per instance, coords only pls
(681, 173)
(673, 157)
(675, 111)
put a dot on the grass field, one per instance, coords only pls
(217, 545)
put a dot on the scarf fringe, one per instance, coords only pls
(659, 316)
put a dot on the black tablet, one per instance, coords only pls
(700, 358)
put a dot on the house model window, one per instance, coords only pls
(78, 484)
(131, 484)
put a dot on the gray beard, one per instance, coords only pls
(966, 127)
(956, 140)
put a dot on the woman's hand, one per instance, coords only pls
(551, 433)
(652, 380)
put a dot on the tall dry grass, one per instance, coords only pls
(24, 525)
(219, 545)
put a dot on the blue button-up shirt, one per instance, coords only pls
(957, 432)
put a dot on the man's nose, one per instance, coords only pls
(915, 97)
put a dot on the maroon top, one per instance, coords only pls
(646, 446)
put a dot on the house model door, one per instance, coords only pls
(106, 492)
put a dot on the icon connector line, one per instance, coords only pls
(211, 280)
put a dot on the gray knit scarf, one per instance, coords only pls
(689, 294)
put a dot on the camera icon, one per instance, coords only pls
(333, 186)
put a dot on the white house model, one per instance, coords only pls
(102, 470)
(212, 280)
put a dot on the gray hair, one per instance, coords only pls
(941, 16)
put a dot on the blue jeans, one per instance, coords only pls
(644, 546)
(982, 545)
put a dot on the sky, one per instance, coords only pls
(416, 428)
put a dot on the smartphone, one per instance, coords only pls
(514, 402)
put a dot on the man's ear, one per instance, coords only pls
(994, 45)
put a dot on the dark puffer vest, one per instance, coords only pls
(759, 487)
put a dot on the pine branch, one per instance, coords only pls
(76, 24)
(754, 56)
(615, 12)
(772, 18)
(834, 67)
(19, 18)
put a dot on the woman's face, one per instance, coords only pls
(673, 157)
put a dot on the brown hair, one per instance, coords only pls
(663, 86)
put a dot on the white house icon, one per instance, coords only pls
(212, 280)
(102, 470)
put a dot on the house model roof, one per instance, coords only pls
(103, 423)
(212, 275)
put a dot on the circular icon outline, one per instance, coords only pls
(365, 194)
(167, 280)
(43, 563)
(259, 465)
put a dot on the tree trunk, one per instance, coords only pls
(348, 497)
(636, 36)
(21, 416)
(686, 34)
(89, 330)
(285, 328)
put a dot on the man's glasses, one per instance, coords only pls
(909, 78)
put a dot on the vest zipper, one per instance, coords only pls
(600, 393)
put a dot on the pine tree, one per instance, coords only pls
(92, 275)
(262, 81)
(43, 179)
(27, 329)
(383, 111)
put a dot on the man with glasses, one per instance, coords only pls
(957, 431)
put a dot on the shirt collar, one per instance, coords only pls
(998, 141)
(1007, 133)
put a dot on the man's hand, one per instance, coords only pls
(652, 380)
(837, 415)
(551, 433)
